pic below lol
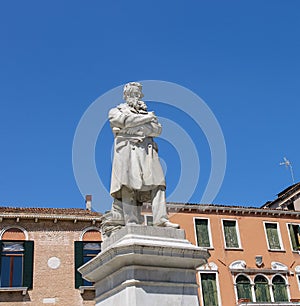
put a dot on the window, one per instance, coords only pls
(273, 238)
(243, 287)
(16, 269)
(12, 264)
(209, 289)
(294, 232)
(202, 232)
(261, 289)
(231, 234)
(149, 220)
(279, 289)
(86, 250)
(90, 250)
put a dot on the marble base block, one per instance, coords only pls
(148, 266)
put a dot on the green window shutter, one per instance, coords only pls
(272, 235)
(243, 287)
(297, 235)
(209, 289)
(230, 233)
(78, 259)
(293, 237)
(262, 292)
(279, 289)
(202, 232)
(28, 264)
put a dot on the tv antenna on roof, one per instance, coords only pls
(288, 164)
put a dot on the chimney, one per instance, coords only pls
(88, 202)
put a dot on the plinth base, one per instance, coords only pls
(148, 266)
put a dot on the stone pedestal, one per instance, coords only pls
(146, 266)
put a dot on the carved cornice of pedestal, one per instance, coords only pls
(144, 246)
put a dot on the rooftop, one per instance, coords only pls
(58, 211)
(74, 214)
(285, 196)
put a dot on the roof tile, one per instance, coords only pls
(50, 211)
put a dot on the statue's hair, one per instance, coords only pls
(128, 88)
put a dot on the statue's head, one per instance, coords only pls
(132, 91)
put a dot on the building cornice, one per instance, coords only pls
(54, 214)
(237, 210)
(48, 217)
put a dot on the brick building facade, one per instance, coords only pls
(40, 249)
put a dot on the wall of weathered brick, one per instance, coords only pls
(49, 285)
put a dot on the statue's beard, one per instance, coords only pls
(137, 104)
(132, 102)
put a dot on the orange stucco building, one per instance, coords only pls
(254, 252)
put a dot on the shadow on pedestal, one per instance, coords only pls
(148, 266)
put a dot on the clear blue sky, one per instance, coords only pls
(57, 57)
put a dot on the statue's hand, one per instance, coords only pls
(135, 120)
(135, 131)
(153, 117)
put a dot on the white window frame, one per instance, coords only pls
(298, 280)
(269, 287)
(251, 284)
(209, 233)
(6, 228)
(145, 218)
(237, 233)
(297, 272)
(288, 230)
(287, 285)
(87, 229)
(217, 283)
(279, 236)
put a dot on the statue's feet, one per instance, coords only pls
(169, 224)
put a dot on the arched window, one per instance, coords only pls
(243, 287)
(86, 249)
(261, 288)
(279, 289)
(13, 234)
(16, 258)
(92, 235)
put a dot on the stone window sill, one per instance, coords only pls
(206, 248)
(276, 250)
(86, 288)
(234, 249)
(14, 289)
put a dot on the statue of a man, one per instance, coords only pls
(137, 175)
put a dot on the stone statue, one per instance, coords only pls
(137, 175)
